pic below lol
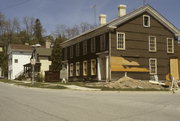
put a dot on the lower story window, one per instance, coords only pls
(71, 69)
(84, 68)
(93, 67)
(153, 66)
(77, 69)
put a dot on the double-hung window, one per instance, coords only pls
(85, 47)
(102, 42)
(77, 69)
(84, 68)
(152, 44)
(153, 66)
(93, 45)
(121, 45)
(93, 67)
(146, 20)
(77, 49)
(71, 69)
(170, 45)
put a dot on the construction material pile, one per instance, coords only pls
(127, 82)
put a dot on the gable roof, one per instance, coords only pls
(44, 51)
(120, 20)
(20, 47)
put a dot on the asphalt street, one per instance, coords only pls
(32, 104)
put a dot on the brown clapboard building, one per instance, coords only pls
(139, 44)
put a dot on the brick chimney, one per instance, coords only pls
(102, 19)
(121, 10)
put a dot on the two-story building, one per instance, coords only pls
(140, 44)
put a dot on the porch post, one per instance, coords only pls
(98, 68)
(107, 68)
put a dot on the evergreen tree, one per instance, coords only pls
(56, 56)
(38, 33)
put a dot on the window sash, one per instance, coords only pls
(93, 45)
(77, 69)
(102, 42)
(121, 41)
(84, 68)
(153, 66)
(93, 67)
(152, 44)
(85, 47)
(71, 69)
(146, 20)
(170, 45)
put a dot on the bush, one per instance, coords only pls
(40, 77)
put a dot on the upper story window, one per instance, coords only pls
(146, 21)
(102, 42)
(170, 45)
(152, 44)
(77, 49)
(65, 53)
(153, 66)
(15, 60)
(93, 45)
(71, 52)
(121, 45)
(85, 47)
(77, 69)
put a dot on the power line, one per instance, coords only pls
(15, 5)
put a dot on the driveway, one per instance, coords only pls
(31, 104)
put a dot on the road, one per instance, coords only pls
(32, 104)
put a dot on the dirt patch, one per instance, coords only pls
(127, 82)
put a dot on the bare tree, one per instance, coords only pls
(28, 25)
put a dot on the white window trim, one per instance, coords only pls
(71, 69)
(124, 43)
(92, 67)
(155, 66)
(77, 68)
(149, 23)
(155, 44)
(172, 45)
(84, 68)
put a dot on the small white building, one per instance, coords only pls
(18, 55)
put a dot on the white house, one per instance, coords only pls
(18, 55)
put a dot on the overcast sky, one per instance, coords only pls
(71, 12)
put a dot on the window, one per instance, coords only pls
(1, 49)
(153, 66)
(77, 69)
(121, 41)
(152, 43)
(77, 49)
(93, 45)
(15, 60)
(71, 52)
(170, 45)
(84, 68)
(102, 42)
(93, 67)
(71, 69)
(65, 53)
(85, 47)
(146, 21)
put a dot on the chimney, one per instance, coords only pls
(121, 10)
(102, 19)
(48, 43)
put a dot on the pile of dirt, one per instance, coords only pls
(127, 82)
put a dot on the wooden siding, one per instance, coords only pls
(137, 46)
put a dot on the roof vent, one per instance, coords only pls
(121, 10)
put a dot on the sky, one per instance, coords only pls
(71, 12)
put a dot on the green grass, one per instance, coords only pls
(35, 85)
